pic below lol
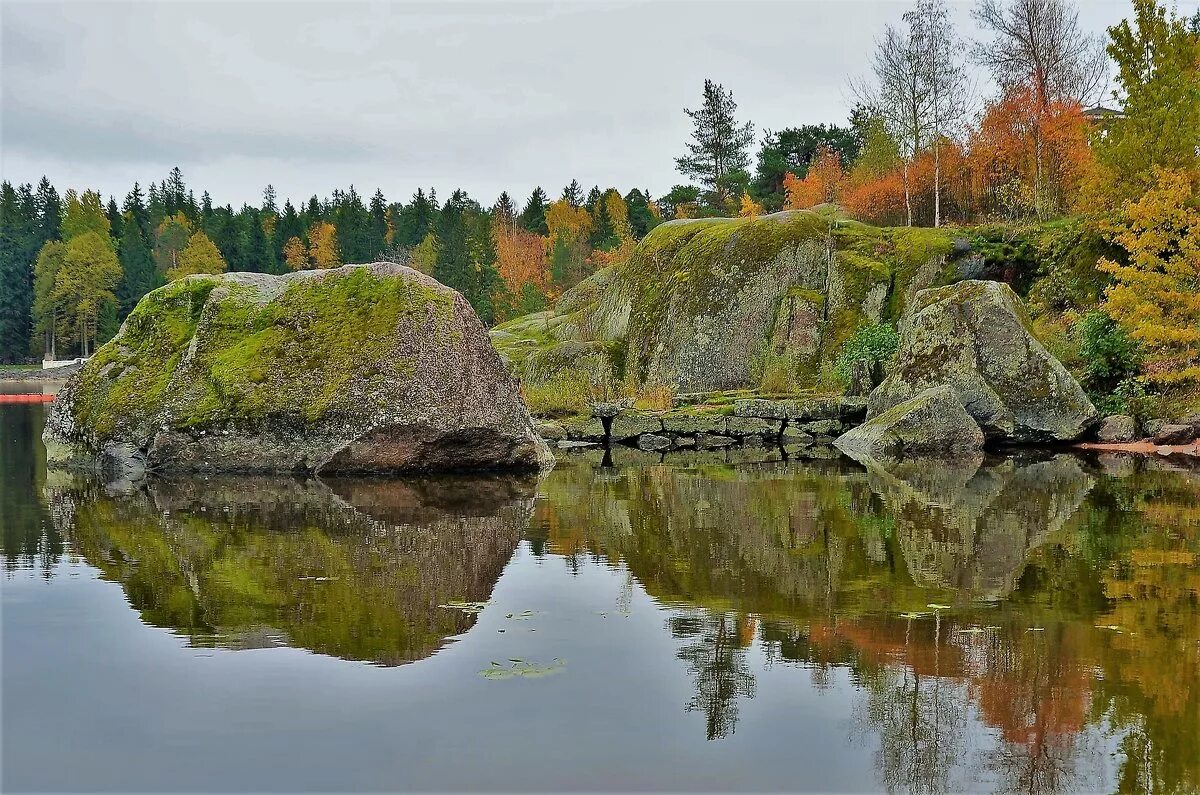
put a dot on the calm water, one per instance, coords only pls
(1028, 625)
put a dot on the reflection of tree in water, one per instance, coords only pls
(1033, 688)
(28, 538)
(716, 659)
(917, 713)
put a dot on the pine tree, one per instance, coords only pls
(289, 226)
(718, 145)
(259, 253)
(378, 235)
(49, 210)
(268, 205)
(416, 220)
(113, 213)
(134, 207)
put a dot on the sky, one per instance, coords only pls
(309, 96)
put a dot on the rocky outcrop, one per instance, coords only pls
(364, 368)
(933, 422)
(974, 337)
(719, 303)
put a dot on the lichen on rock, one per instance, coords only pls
(974, 337)
(364, 368)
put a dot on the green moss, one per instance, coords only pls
(290, 356)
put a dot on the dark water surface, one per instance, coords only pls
(1028, 624)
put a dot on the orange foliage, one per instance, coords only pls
(520, 256)
(822, 183)
(1004, 152)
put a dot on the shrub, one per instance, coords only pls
(872, 344)
(1110, 356)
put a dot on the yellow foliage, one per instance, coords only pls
(1156, 297)
(322, 245)
(566, 221)
(199, 256)
(295, 255)
(750, 208)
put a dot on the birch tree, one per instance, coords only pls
(1039, 44)
(901, 98)
(945, 80)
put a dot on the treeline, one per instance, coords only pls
(73, 267)
(917, 149)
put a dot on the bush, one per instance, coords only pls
(874, 345)
(1110, 356)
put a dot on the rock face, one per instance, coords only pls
(974, 337)
(364, 368)
(933, 422)
(721, 303)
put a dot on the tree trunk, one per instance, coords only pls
(907, 195)
(937, 183)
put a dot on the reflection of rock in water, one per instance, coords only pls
(966, 526)
(352, 568)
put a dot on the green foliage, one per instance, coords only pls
(1156, 55)
(1110, 356)
(875, 345)
(83, 214)
(718, 146)
(533, 217)
(792, 150)
(139, 275)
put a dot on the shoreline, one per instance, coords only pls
(1142, 447)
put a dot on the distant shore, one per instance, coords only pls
(37, 375)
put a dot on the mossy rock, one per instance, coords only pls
(363, 368)
(974, 336)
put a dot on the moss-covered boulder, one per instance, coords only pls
(974, 337)
(727, 303)
(364, 368)
(933, 422)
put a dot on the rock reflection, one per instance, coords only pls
(1046, 600)
(350, 568)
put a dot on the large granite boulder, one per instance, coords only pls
(933, 422)
(727, 303)
(974, 337)
(364, 368)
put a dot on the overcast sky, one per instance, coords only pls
(491, 96)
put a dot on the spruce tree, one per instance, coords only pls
(573, 193)
(18, 247)
(533, 217)
(139, 276)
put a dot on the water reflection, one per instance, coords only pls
(1011, 624)
(1055, 604)
(351, 568)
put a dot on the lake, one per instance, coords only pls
(1022, 623)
